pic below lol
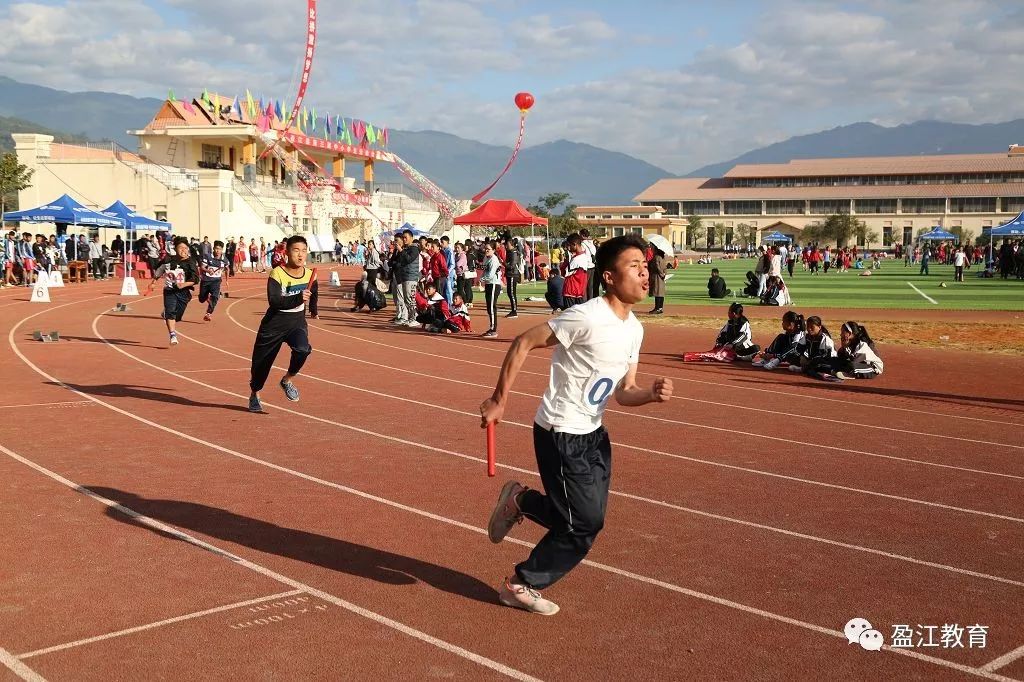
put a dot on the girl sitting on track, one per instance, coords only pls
(784, 348)
(857, 358)
(733, 342)
(816, 347)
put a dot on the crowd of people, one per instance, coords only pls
(803, 345)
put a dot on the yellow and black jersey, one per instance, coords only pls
(284, 292)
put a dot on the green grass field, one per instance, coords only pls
(887, 288)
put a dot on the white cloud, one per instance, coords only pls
(422, 64)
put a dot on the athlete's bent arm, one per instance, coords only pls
(628, 394)
(540, 336)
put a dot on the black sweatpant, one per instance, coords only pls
(513, 299)
(835, 364)
(659, 302)
(209, 290)
(593, 289)
(789, 265)
(464, 287)
(491, 293)
(576, 471)
(959, 273)
(275, 329)
(99, 268)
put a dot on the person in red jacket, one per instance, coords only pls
(574, 289)
(438, 264)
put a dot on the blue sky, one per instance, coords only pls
(679, 84)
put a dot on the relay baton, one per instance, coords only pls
(490, 449)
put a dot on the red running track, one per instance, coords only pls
(155, 528)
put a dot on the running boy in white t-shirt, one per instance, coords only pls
(598, 348)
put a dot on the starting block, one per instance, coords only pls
(121, 307)
(46, 338)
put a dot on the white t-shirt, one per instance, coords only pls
(591, 249)
(959, 259)
(595, 350)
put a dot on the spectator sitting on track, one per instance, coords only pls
(716, 285)
(785, 346)
(817, 346)
(856, 359)
(436, 311)
(458, 319)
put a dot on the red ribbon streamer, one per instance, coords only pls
(515, 153)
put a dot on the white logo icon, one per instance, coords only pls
(871, 640)
(854, 628)
(860, 631)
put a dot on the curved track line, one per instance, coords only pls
(731, 431)
(736, 406)
(611, 569)
(632, 447)
(274, 575)
(788, 394)
(647, 500)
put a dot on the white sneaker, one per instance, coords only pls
(772, 364)
(174, 339)
(526, 598)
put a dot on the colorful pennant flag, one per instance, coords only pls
(371, 134)
(170, 96)
(249, 104)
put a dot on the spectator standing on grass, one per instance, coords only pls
(657, 268)
(591, 250)
(925, 257)
(959, 261)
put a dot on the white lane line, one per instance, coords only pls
(222, 369)
(1004, 660)
(730, 431)
(54, 404)
(273, 575)
(929, 434)
(637, 498)
(924, 295)
(368, 432)
(157, 624)
(511, 672)
(26, 673)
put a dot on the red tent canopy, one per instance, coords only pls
(500, 212)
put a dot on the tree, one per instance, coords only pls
(745, 234)
(560, 225)
(965, 237)
(14, 177)
(718, 231)
(839, 227)
(694, 229)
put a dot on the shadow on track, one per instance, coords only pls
(320, 550)
(145, 393)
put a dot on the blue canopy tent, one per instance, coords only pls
(133, 223)
(1014, 228)
(416, 232)
(937, 234)
(133, 220)
(776, 236)
(64, 211)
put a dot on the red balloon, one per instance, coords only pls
(524, 101)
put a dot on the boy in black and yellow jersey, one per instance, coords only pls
(290, 288)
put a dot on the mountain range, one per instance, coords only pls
(591, 175)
